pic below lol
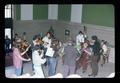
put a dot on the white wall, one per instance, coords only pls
(53, 11)
(76, 13)
(27, 12)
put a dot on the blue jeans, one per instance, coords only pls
(52, 64)
(18, 71)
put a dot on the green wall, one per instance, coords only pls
(64, 12)
(18, 12)
(40, 12)
(98, 14)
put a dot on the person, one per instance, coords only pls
(38, 61)
(53, 60)
(46, 44)
(79, 40)
(35, 39)
(16, 37)
(69, 58)
(86, 53)
(24, 36)
(104, 51)
(7, 43)
(17, 58)
(47, 40)
(95, 45)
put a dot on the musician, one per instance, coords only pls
(53, 60)
(35, 39)
(38, 61)
(17, 58)
(47, 40)
(95, 45)
(104, 51)
(47, 43)
(86, 52)
(79, 40)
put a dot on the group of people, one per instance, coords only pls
(83, 53)
(46, 50)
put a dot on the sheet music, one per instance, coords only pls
(50, 52)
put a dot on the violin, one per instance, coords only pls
(23, 46)
(39, 41)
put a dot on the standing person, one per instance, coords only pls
(52, 61)
(38, 61)
(79, 40)
(47, 40)
(95, 45)
(47, 43)
(24, 36)
(86, 52)
(104, 52)
(16, 37)
(69, 59)
(17, 58)
(35, 39)
(7, 43)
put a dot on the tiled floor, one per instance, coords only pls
(104, 71)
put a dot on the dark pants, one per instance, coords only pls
(7, 47)
(45, 50)
(94, 64)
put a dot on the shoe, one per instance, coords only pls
(101, 65)
(83, 71)
(94, 75)
(90, 75)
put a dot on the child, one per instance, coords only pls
(38, 61)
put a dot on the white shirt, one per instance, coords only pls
(37, 59)
(104, 47)
(79, 39)
(47, 42)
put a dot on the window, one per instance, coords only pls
(8, 11)
(8, 21)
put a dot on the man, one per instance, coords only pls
(69, 59)
(95, 45)
(7, 43)
(79, 40)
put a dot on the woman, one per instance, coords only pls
(17, 58)
(85, 56)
